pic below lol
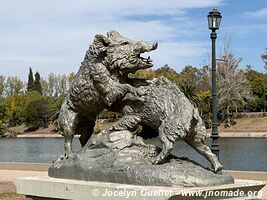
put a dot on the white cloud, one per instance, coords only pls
(52, 36)
(245, 29)
(258, 13)
(179, 54)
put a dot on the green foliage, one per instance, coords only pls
(190, 76)
(71, 77)
(168, 72)
(37, 83)
(2, 129)
(204, 106)
(2, 110)
(37, 113)
(258, 85)
(55, 104)
(257, 105)
(190, 92)
(256, 80)
(204, 101)
(30, 84)
(143, 73)
(264, 58)
(31, 108)
(229, 122)
(2, 85)
(13, 107)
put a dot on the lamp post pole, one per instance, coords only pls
(214, 131)
(214, 20)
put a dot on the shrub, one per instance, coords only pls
(12, 109)
(2, 129)
(37, 113)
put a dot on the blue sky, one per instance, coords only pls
(52, 36)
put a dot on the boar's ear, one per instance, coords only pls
(101, 43)
(114, 36)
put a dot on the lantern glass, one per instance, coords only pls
(214, 19)
(218, 19)
(210, 19)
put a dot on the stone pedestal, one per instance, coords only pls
(44, 187)
(131, 164)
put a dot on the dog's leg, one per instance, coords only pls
(85, 128)
(198, 144)
(127, 122)
(66, 124)
(118, 91)
(167, 145)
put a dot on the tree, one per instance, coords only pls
(44, 85)
(257, 82)
(168, 72)
(189, 80)
(71, 77)
(13, 86)
(233, 89)
(18, 85)
(30, 84)
(2, 129)
(37, 113)
(204, 106)
(190, 76)
(63, 84)
(190, 92)
(143, 73)
(2, 85)
(51, 84)
(14, 106)
(37, 83)
(264, 58)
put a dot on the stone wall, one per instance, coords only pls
(249, 115)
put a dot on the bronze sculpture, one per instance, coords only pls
(116, 154)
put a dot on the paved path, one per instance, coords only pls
(8, 175)
(8, 187)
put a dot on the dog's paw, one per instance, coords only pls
(218, 169)
(67, 156)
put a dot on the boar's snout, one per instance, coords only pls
(154, 46)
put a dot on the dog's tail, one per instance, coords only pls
(195, 115)
(197, 122)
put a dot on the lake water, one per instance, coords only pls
(235, 154)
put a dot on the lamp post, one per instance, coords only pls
(214, 20)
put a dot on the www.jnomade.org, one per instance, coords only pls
(167, 193)
(221, 193)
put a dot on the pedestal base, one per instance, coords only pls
(44, 187)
